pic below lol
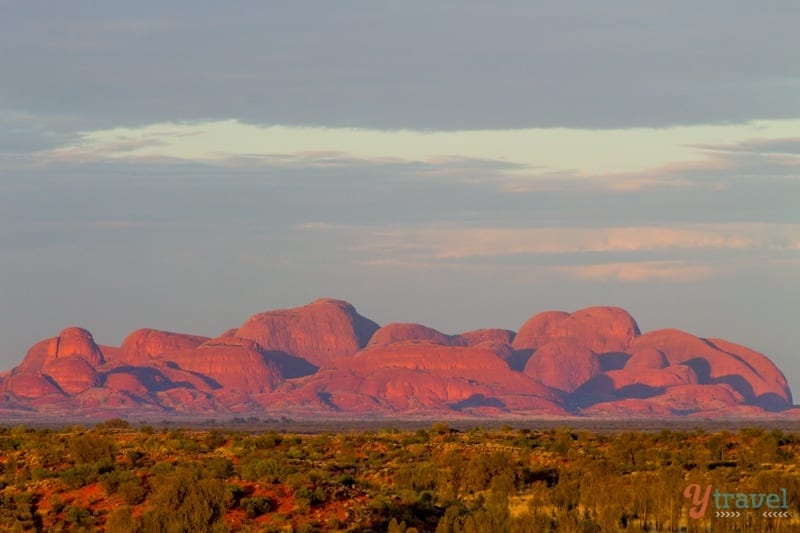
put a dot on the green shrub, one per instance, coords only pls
(121, 521)
(91, 448)
(78, 516)
(270, 470)
(255, 506)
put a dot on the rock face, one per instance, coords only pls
(395, 332)
(318, 332)
(646, 358)
(751, 374)
(71, 342)
(72, 374)
(424, 376)
(128, 383)
(239, 367)
(325, 358)
(563, 365)
(30, 385)
(144, 344)
(482, 336)
(600, 329)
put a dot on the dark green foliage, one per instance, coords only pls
(219, 467)
(131, 490)
(483, 467)
(256, 506)
(78, 516)
(91, 448)
(121, 521)
(18, 508)
(125, 483)
(185, 500)
(215, 439)
(270, 470)
(79, 476)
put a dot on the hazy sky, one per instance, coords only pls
(459, 164)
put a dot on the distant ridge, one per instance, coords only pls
(325, 358)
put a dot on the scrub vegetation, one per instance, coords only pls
(120, 478)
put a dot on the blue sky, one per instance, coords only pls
(458, 164)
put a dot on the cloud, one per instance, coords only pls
(315, 226)
(449, 243)
(640, 272)
(790, 146)
(514, 161)
(99, 151)
(633, 271)
(621, 254)
(719, 166)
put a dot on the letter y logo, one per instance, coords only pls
(700, 503)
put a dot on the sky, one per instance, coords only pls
(462, 164)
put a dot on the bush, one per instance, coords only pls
(219, 467)
(132, 491)
(90, 448)
(269, 470)
(116, 423)
(184, 501)
(78, 516)
(215, 439)
(79, 476)
(255, 506)
(121, 521)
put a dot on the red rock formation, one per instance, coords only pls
(414, 376)
(647, 358)
(631, 407)
(144, 344)
(643, 381)
(716, 366)
(397, 332)
(479, 336)
(235, 367)
(537, 330)
(73, 374)
(183, 400)
(76, 342)
(37, 355)
(677, 400)
(30, 385)
(429, 357)
(167, 375)
(325, 357)
(563, 365)
(760, 363)
(126, 382)
(600, 329)
(495, 340)
(70, 342)
(318, 332)
(689, 398)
